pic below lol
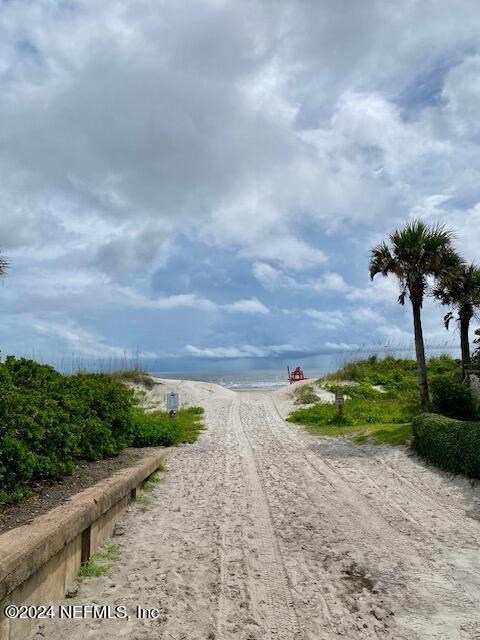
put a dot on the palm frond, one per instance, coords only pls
(459, 285)
(381, 260)
(447, 319)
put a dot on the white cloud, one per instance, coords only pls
(430, 207)
(272, 278)
(395, 335)
(341, 346)
(330, 281)
(366, 315)
(243, 351)
(86, 291)
(381, 290)
(252, 306)
(292, 253)
(72, 338)
(467, 229)
(128, 297)
(327, 319)
(462, 95)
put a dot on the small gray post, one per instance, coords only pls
(172, 403)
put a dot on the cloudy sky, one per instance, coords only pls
(204, 179)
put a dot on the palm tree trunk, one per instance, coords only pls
(420, 353)
(464, 341)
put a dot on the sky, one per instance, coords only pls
(202, 181)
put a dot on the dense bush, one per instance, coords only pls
(453, 445)
(451, 397)
(393, 374)
(48, 421)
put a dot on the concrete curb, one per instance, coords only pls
(64, 538)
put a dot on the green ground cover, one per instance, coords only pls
(49, 421)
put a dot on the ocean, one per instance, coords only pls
(255, 379)
(258, 378)
(273, 378)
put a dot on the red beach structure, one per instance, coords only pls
(295, 375)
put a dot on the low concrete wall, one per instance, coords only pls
(39, 561)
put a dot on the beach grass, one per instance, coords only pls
(96, 565)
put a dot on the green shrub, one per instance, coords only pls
(451, 397)
(391, 373)
(395, 375)
(190, 422)
(453, 445)
(48, 421)
(157, 429)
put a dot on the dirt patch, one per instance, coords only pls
(49, 495)
(357, 579)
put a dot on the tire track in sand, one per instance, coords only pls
(269, 596)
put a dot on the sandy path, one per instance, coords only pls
(262, 532)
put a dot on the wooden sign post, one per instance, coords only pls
(339, 401)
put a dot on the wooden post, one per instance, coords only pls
(339, 401)
(85, 551)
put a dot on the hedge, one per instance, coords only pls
(453, 445)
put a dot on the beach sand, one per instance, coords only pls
(261, 531)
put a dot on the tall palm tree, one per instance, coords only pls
(413, 254)
(459, 288)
